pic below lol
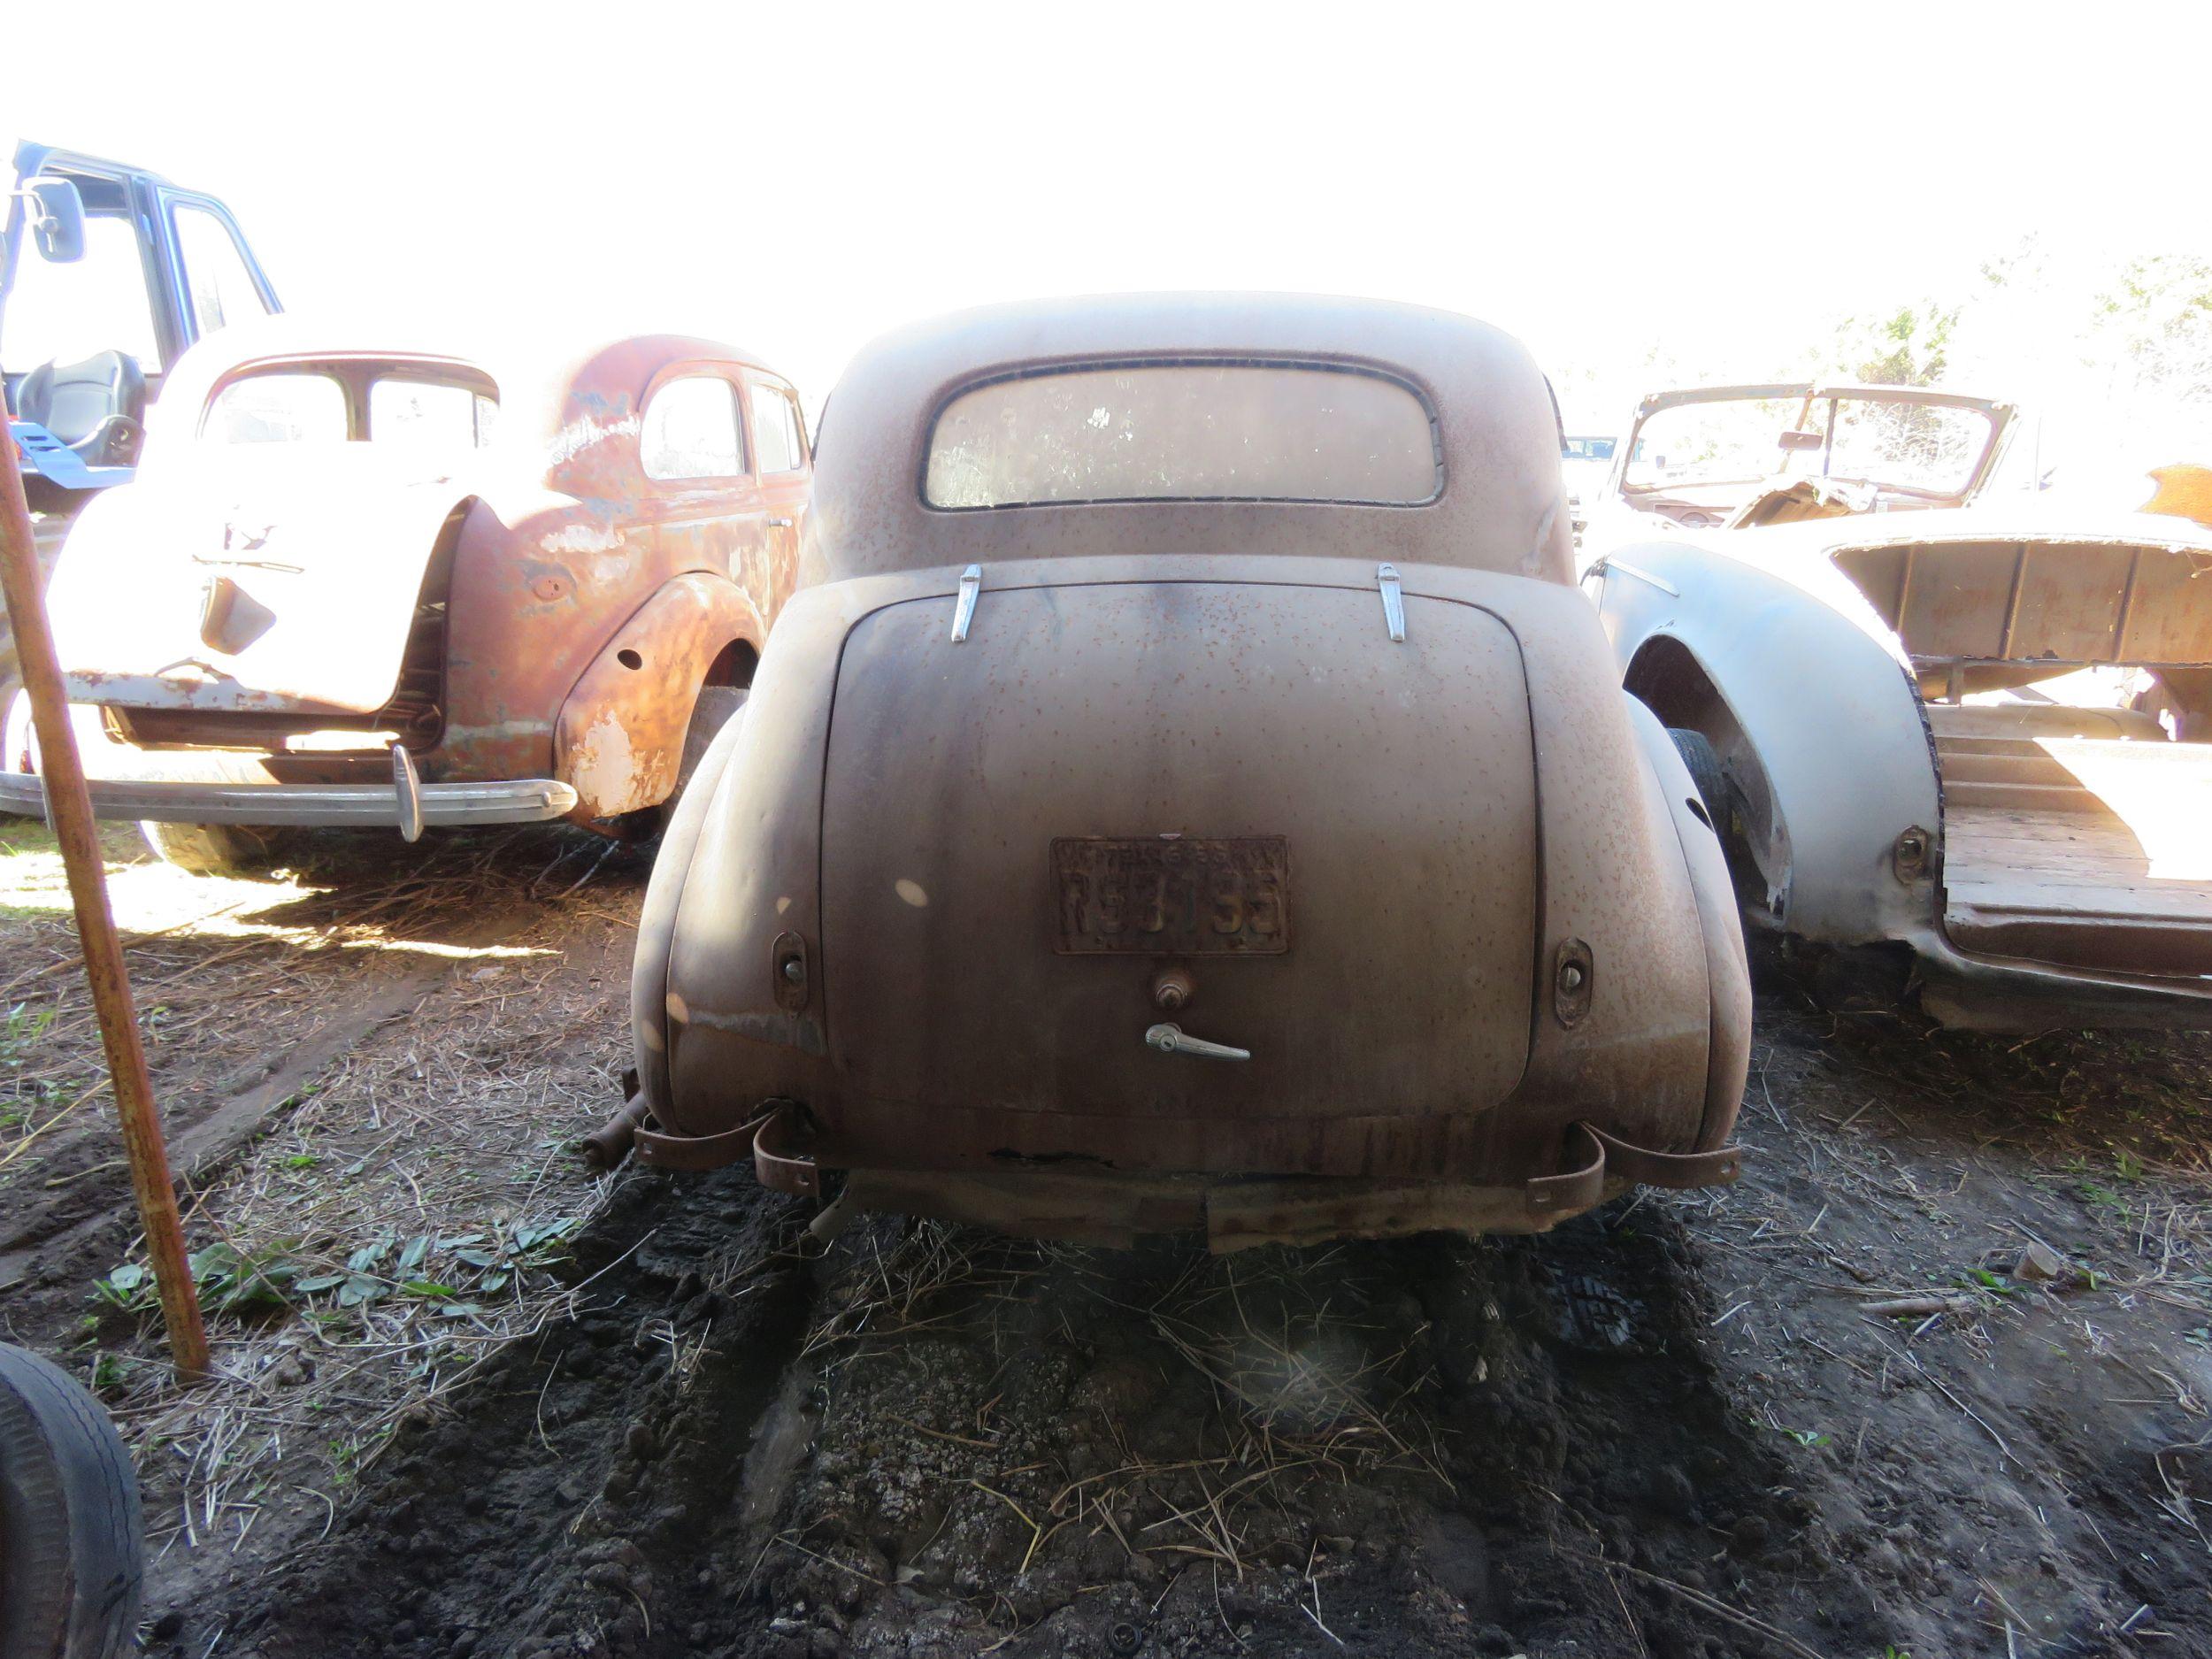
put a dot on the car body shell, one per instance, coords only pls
(538, 611)
(1761, 640)
(857, 954)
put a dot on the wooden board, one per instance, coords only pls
(2100, 855)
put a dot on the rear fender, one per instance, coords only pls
(619, 739)
(1727, 973)
(657, 919)
(1827, 711)
(717, 1032)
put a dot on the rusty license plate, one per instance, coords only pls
(1156, 896)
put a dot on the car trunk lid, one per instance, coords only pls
(1331, 837)
(270, 583)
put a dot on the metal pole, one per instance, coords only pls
(69, 804)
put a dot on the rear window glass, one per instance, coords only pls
(278, 408)
(1185, 432)
(430, 414)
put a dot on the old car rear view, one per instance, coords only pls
(1188, 792)
(381, 585)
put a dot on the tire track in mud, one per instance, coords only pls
(930, 1441)
(50, 1238)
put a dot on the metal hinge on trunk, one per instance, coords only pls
(1393, 601)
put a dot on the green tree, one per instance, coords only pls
(2153, 326)
(1905, 347)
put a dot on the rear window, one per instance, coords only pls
(430, 414)
(1206, 431)
(286, 408)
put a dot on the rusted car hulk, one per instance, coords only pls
(525, 612)
(1187, 792)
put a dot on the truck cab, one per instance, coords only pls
(107, 274)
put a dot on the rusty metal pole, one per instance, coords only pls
(69, 803)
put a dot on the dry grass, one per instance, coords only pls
(225, 974)
(1930, 1162)
(409, 1214)
(1308, 1384)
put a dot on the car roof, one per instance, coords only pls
(548, 395)
(1499, 508)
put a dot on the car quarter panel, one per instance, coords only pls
(619, 737)
(1825, 708)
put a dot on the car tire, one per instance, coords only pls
(716, 707)
(71, 1561)
(210, 849)
(1703, 761)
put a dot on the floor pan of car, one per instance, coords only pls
(2088, 851)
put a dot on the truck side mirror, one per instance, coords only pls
(56, 216)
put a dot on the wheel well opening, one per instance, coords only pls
(732, 665)
(1671, 681)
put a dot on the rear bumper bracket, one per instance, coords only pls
(1599, 1158)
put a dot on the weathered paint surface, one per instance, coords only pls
(854, 909)
(551, 550)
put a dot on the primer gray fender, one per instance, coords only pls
(1830, 715)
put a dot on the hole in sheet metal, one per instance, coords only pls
(629, 659)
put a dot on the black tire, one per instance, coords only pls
(717, 707)
(71, 1561)
(210, 849)
(1703, 761)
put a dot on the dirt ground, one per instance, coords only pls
(1931, 1380)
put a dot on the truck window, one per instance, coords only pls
(690, 430)
(1185, 432)
(289, 408)
(429, 414)
(220, 288)
(65, 313)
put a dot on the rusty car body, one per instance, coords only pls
(1188, 793)
(1968, 749)
(364, 583)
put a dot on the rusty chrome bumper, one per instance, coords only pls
(306, 805)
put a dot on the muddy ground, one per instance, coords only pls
(1829, 1411)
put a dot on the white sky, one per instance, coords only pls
(1720, 182)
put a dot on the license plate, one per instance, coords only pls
(1156, 897)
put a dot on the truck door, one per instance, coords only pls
(162, 268)
(211, 273)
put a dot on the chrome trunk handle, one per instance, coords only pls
(1170, 1039)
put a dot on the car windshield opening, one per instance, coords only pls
(1923, 448)
(1185, 431)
